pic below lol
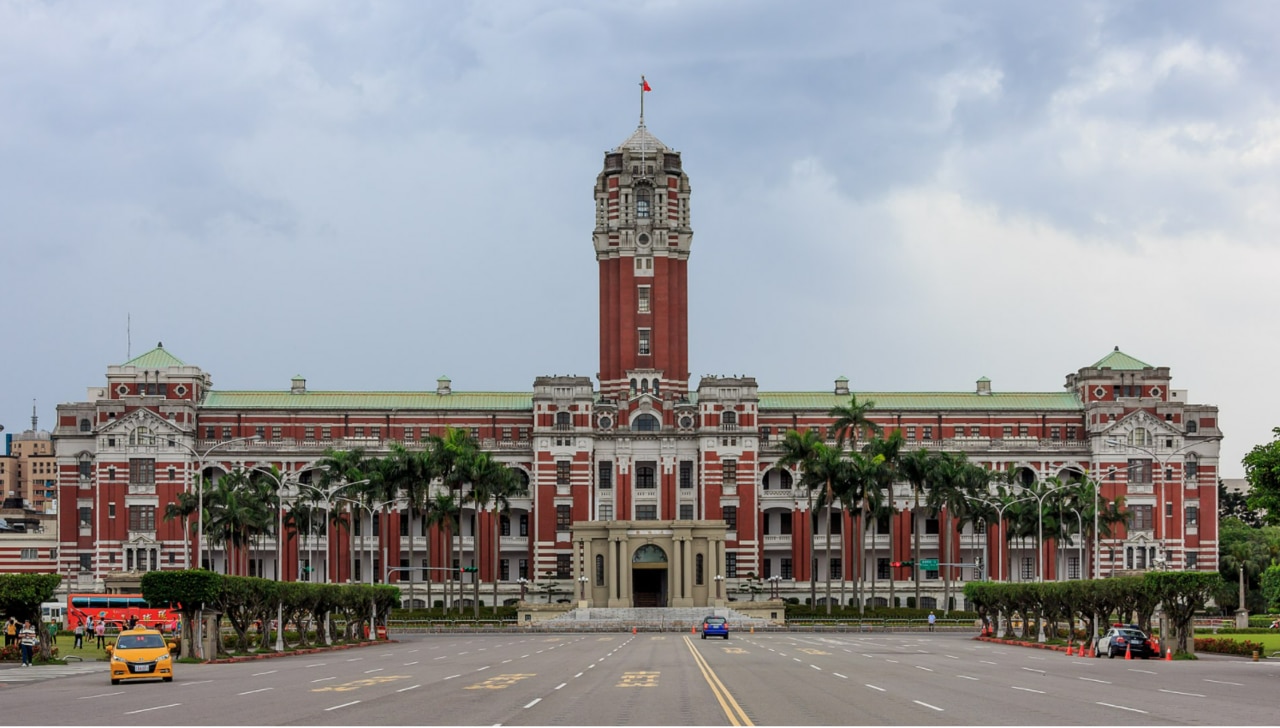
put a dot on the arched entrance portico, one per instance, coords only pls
(649, 576)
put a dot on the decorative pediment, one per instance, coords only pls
(144, 419)
(142, 540)
(1152, 427)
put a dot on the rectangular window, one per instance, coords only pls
(730, 516)
(931, 526)
(1022, 431)
(142, 518)
(226, 433)
(86, 517)
(308, 433)
(1071, 433)
(276, 432)
(359, 432)
(686, 511)
(930, 573)
(786, 568)
(1055, 433)
(1028, 568)
(326, 433)
(1006, 431)
(1140, 518)
(260, 431)
(686, 474)
(142, 472)
(523, 566)
(1073, 567)
(837, 523)
(28, 554)
(785, 523)
(960, 431)
(1139, 471)
(375, 433)
(646, 513)
(606, 511)
(564, 566)
(1168, 510)
(766, 433)
(1193, 560)
(524, 433)
(606, 474)
(504, 570)
(911, 432)
(644, 343)
(1193, 515)
(564, 518)
(111, 510)
(928, 432)
(836, 567)
(209, 433)
(506, 434)
(86, 562)
(524, 524)
(975, 431)
(562, 472)
(729, 472)
(1192, 467)
(731, 566)
(645, 478)
(882, 568)
(642, 299)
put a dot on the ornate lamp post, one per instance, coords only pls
(773, 586)
(524, 585)
(719, 580)
(582, 588)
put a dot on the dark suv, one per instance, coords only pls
(1119, 639)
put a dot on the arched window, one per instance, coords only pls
(141, 436)
(599, 570)
(1138, 437)
(85, 426)
(646, 423)
(644, 477)
(655, 388)
(563, 419)
(644, 195)
(729, 418)
(1192, 426)
(633, 388)
(644, 385)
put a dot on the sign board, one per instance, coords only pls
(929, 564)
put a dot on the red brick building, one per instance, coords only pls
(648, 488)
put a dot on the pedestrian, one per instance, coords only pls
(27, 641)
(932, 620)
(100, 631)
(53, 633)
(10, 631)
(133, 621)
(79, 643)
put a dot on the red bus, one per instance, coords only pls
(117, 609)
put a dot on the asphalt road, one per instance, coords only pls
(662, 679)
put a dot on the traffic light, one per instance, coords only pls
(902, 563)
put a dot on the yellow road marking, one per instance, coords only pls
(639, 680)
(735, 651)
(357, 684)
(732, 711)
(498, 682)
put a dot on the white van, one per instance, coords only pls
(53, 612)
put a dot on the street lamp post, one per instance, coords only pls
(719, 580)
(280, 482)
(582, 588)
(773, 586)
(328, 498)
(524, 585)
(1000, 509)
(1040, 523)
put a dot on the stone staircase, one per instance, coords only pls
(679, 619)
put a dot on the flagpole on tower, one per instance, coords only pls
(644, 86)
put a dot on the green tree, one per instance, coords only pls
(21, 596)
(1181, 595)
(187, 590)
(236, 515)
(342, 469)
(798, 450)
(887, 452)
(918, 468)
(1234, 504)
(1262, 470)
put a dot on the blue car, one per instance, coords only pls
(715, 627)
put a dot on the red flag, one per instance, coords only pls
(644, 84)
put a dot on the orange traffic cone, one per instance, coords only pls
(633, 630)
(1069, 649)
(693, 630)
(1127, 656)
(1168, 655)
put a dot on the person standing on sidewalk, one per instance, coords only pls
(932, 619)
(28, 640)
(10, 631)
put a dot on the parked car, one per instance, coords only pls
(1119, 639)
(716, 627)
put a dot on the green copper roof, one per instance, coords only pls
(157, 358)
(370, 400)
(1119, 360)
(922, 400)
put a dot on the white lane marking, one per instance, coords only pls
(893, 661)
(952, 657)
(578, 675)
(259, 690)
(452, 677)
(1175, 692)
(535, 702)
(505, 661)
(845, 677)
(99, 695)
(332, 677)
(194, 682)
(815, 667)
(797, 659)
(1148, 672)
(1121, 707)
(486, 667)
(158, 707)
(1220, 682)
(931, 707)
(1094, 679)
(865, 654)
(317, 664)
(561, 685)
(966, 677)
(873, 687)
(385, 654)
(920, 667)
(268, 672)
(591, 666)
(1030, 690)
(1035, 658)
(411, 687)
(410, 663)
(988, 662)
(353, 702)
(412, 651)
(1032, 669)
(441, 657)
(376, 669)
(355, 659)
(523, 656)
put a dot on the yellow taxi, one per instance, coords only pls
(141, 653)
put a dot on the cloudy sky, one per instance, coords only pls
(913, 195)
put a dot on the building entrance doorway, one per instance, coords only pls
(649, 577)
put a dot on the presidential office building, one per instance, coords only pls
(646, 488)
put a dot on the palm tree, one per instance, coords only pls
(823, 469)
(339, 468)
(1245, 558)
(854, 488)
(880, 502)
(449, 453)
(442, 513)
(184, 506)
(949, 498)
(237, 514)
(918, 468)
(488, 479)
(798, 449)
(850, 421)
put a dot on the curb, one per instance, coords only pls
(1019, 643)
(292, 653)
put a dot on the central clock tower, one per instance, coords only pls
(642, 239)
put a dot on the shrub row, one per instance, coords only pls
(1228, 646)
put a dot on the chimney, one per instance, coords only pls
(842, 385)
(984, 386)
(443, 386)
(298, 385)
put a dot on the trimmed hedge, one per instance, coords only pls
(1228, 647)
